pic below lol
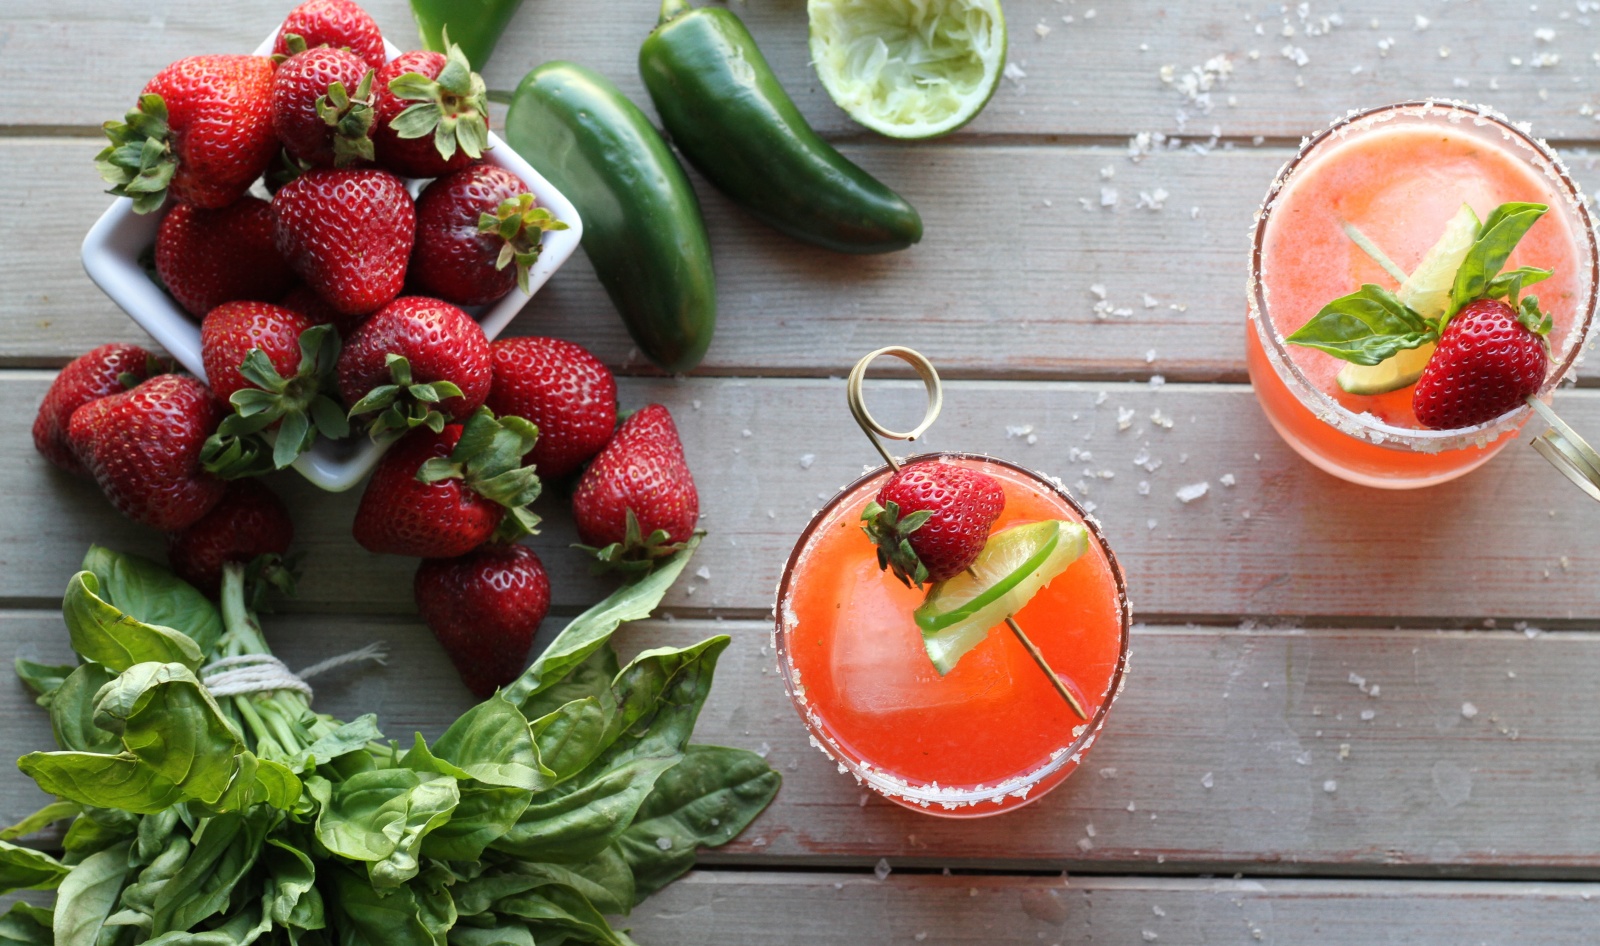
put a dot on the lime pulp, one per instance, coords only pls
(909, 68)
(1015, 564)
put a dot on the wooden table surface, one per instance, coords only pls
(1352, 716)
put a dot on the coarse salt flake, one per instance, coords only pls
(1193, 491)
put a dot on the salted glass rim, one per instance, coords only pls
(1364, 426)
(944, 797)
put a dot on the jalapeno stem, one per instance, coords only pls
(671, 9)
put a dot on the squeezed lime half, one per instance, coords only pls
(1014, 565)
(1427, 290)
(909, 68)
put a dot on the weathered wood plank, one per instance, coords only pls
(1422, 790)
(1516, 540)
(716, 907)
(1099, 75)
(1000, 287)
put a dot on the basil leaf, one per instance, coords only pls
(41, 819)
(592, 677)
(87, 895)
(86, 836)
(575, 734)
(23, 868)
(593, 628)
(492, 743)
(26, 925)
(155, 595)
(381, 817)
(107, 635)
(43, 679)
(353, 736)
(1365, 327)
(705, 800)
(224, 850)
(578, 824)
(507, 934)
(659, 694)
(483, 816)
(71, 708)
(558, 908)
(1509, 285)
(609, 870)
(1498, 236)
(292, 899)
(376, 917)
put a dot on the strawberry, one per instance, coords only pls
(336, 23)
(143, 448)
(1490, 359)
(208, 257)
(322, 107)
(348, 234)
(202, 131)
(109, 369)
(478, 232)
(931, 519)
(637, 502)
(440, 494)
(306, 302)
(565, 391)
(249, 522)
(416, 361)
(484, 608)
(272, 365)
(433, 114)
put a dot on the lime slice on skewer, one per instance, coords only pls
(909, 68)
(1014, 565)
(1427, 290)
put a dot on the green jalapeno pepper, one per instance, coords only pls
(642, 226)
(474, 25)
(726, 112)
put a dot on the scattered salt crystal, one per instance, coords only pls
(1330, 786)
(1359, 681)
(1014, 72)
(1149, 935)
(1124, 418)
(1303, 758)
(1468, 710)
(1018, 430)
(1107, 173)
(1207, 780)
(1158, 911)
(1132, 806)
(1032, 439)
(806, 459)
(1150, 301)
(664, 844)
(695, 403)
(1421, 23)
(1226, 479)
(1192, 492)
(1108, 196)
(1144, 487)
(1088, 14)
(763, 749)
(745, 432)
(1084, 844)
(1153, 200)
(1159, 419)
(1368, 715)
(1545, 35)
(1043, 31)
(1157, 380)
(704, 573)
(1150, 524)
(1098, 290)
(1109, 771)
(882, 868)
(1344, 751)
(1103, 396)
(1089, 830)
(1150, 356)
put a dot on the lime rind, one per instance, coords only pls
(909, 68)
(1014, 566)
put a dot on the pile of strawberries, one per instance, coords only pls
(305, 330)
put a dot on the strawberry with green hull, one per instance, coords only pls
(484, 607)
(101, 372)
(336, 23)
(248, 523)
(568, 393)
(931, 520)
(433, 114)
(143, 448)
(416, 362)
(478, 232)
(347, 233)
(442, 494)
(322, 106)
(274, 367)
(208, 257)
(201, 133)
(637, 501)
(1490, 354)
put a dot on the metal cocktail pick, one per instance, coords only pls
(1567, 451)
(874, 430)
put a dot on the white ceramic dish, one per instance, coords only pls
(111, 256)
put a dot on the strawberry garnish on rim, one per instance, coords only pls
(931, 519)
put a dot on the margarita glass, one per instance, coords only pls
(1398, 174)
(992, 734)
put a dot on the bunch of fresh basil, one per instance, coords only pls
(221, 821)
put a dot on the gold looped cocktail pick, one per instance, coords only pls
(1567, 451)
(869, 426)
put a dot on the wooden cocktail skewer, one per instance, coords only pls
(873, 430)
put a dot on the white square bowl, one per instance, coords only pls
(114, 244)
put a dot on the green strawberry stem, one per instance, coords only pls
(488, 457)
(139, 163)
(403, 405)
(351, 118)
(637, 554)
(521, 223)
(450, 108)
(300, 407)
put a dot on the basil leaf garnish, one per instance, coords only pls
(1365, 327)
(1498, 236)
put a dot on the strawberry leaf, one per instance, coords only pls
(889, 532)
(451, 109)
(1509, 286)
(1498, 236)
(1532, 318)
(1365, 327)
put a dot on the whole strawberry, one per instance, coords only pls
(478, 232)
(143, 448)
(564, 390)
(272, 365)
(416, 361)
(336, 23)
(208, 257)
(442, 494)
(348, 234)
(433, 114)
(484, 608)
(322, 106)
(202, 132)
(250, 521)
(931, 519)
(1489, 360)
(637, 502)
(109, 369)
